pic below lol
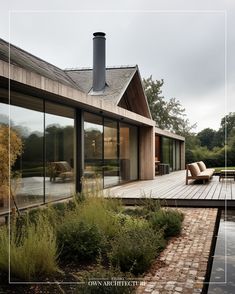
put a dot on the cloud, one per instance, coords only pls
(185, 48)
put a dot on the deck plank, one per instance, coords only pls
(173, 187)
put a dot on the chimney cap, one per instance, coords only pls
(99, 34)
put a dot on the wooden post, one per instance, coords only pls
(146, 153)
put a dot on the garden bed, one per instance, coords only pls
(88, 243)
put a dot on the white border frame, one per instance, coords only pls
(224, 12)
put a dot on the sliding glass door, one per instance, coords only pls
(170, 153)
(93, 151)
(59, 151)
(110, 151)
(44, 170)
(111, 162)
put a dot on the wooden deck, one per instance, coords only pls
(172, 190)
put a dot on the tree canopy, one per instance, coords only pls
(207, 137)
(208, 145)
(168, 114)
(211, 146)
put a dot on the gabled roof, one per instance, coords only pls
(117, 80)
(122, 83)
(32, 63)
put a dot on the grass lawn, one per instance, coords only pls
(218, 169)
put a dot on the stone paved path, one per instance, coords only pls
(181, 267)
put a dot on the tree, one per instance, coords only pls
(206, 137)
(168, 115)
(228, 123)
(226, 129)
(10, 149)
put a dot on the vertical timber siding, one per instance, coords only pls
(146, 153)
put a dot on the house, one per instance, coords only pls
(79, 127)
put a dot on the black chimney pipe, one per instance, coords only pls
(99, 66)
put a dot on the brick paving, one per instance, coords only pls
(181, 267)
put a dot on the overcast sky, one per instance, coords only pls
(182, 42)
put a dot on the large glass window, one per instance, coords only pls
(170, 153)
(110, 152)
(111, 163)
(173, 155)
(165, 158)
(157, 148)
(27, 172)
(45, 168)
(128, 153)
(59, 151)
(93, 151)
(177, 155)
(4, 159)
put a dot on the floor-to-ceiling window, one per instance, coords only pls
(157, 148)
(165, 154)
(173, 154)
(111, 162)
(128, 153)
(93, 151)
(177, 154)
(170, 153)
(59, 151)
(27, 173)
(110, 151)
(44, 170)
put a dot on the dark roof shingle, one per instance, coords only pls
(32, 63)
(117, 80)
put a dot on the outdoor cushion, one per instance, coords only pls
(211, 169)
(194, 169)
(205, 174)
(196, 173)
(201, 165)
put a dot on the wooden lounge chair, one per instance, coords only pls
(198, 171)
(60, 169)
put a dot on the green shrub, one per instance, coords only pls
(102, 281)
(169, 220)
(78, 240)
(135, 246)
(4, 244)
(49, 213)
(135, 212)
(33, 252)
(150, 204)
(99, 212)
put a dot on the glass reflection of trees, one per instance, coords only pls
(93, 151)
(41, 144)
(110, 151)
(59, 151)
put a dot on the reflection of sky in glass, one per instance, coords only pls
(224, 267)
(4, 111)
(30, 120)
(51, 119)
(90, 127)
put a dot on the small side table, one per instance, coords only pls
(227, 173)
(164, 168)
(157, 162)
